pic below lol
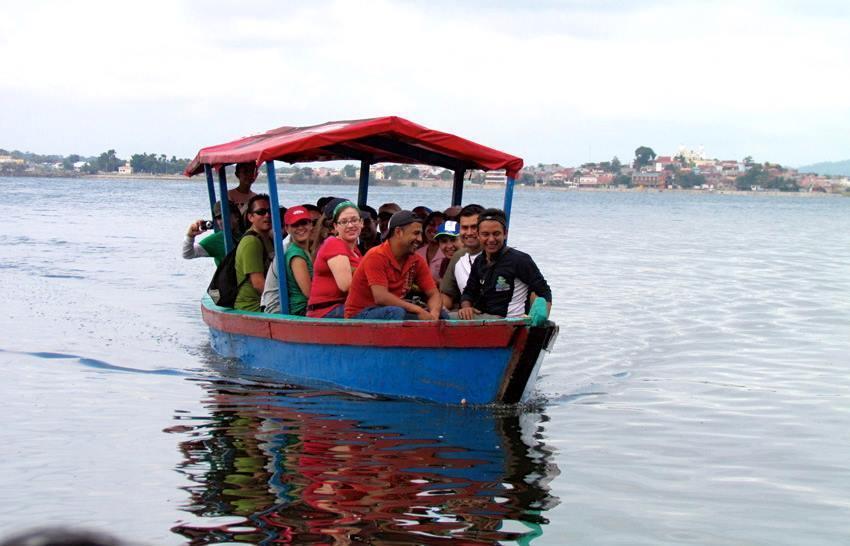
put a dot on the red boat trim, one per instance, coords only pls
(451, 334)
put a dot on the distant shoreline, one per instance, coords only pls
(448, 185)
(695, 192)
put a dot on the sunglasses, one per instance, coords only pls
(261, 212)
(302, 223)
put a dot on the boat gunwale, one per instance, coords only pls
(441, 334)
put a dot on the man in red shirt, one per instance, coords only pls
(388, 271)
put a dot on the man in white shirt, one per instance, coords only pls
(457, 273)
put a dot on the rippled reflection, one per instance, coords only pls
(279, 465)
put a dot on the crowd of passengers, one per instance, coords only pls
(344, 261)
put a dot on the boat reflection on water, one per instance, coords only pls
(276, 464)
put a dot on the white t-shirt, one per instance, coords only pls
(463, 268)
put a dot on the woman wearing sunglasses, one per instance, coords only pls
(334, 264)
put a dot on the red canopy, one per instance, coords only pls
(376, 140)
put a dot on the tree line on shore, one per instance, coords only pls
(679, 172)
(160, 164)
(107, 162)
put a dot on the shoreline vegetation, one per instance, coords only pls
(688, 170)
(419, 183)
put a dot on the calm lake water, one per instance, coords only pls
(699, 392)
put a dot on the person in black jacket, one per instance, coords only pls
(502, 277)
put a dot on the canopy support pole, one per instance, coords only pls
(363, 190)
(225, 210)
(509, 197)
(277, 234)
(211, 193)
(457, 187)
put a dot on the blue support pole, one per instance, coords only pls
(509, 197)
(457, 187)
(225, 210)
(363, 189)
(277, 234)
(211, 193)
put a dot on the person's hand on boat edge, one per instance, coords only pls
(539, 312)
(467, 313)
(424, 314)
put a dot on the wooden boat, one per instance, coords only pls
(476, 362)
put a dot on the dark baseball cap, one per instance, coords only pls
(401, 219)
(330, 205)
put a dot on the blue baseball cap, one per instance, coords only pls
(449, 228)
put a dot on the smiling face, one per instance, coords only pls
(432, 226)
(491, 234)
(469, 233)
(300, 231)
(348, 225)
(448, 245)
(260, 216)
(409, 237)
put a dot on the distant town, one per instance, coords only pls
(685, 169)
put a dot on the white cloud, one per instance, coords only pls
(504, 68)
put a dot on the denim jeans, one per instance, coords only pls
(384, 312)
(391, 312)
(337, 312)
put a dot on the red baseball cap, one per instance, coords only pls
(294, 214)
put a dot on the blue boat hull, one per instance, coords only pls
(452, 363)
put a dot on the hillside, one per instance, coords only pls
(828, 168)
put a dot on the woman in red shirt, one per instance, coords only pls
(335, 262)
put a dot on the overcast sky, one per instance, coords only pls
(550, 81)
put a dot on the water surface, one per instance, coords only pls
(698, 392)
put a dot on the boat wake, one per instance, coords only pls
(97, 364)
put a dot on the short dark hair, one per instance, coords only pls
(433, 214)
(372, 212)
(311, 208)
(496, 215)
(244, 165)
(471, 210)
(249, 208)
(322, 201)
